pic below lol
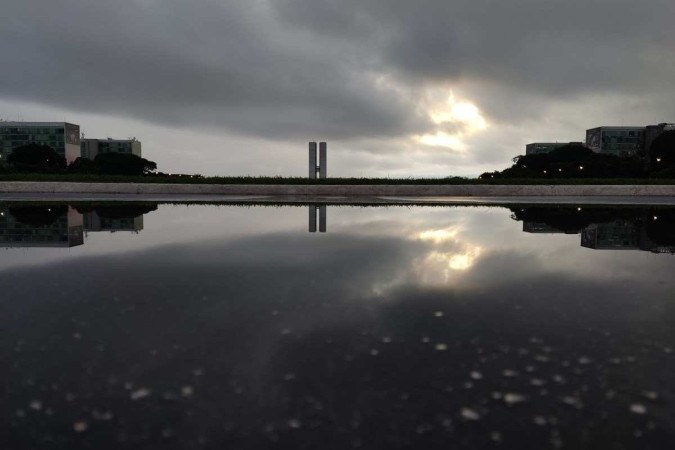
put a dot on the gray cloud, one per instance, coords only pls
(217, 65)
(298, 69)
(556, 45)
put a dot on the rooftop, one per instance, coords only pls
(35, 124)
(110, 140)
(619, 127)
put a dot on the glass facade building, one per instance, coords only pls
(538, 148)
(63, 137)
(92, 147)
(618, 141)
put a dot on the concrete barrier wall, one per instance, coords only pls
(338, 191)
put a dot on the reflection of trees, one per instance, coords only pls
(661, 228)
(656, 226)
(124, 211)
(118, 211)
(38, 216)
(572, 219)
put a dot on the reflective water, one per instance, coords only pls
(204, 326)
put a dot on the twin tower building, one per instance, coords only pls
(320, 169)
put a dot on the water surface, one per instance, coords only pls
(242, 326)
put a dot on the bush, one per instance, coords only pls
(123, 164)
(668, 173)
(83, 165)
(572, 161)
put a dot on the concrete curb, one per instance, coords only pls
(338, 190)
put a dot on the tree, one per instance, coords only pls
(659, 226)
(83, 165)
(36, 157)
(662, 152)
(123, 164)
(571, 154)
(572, 161)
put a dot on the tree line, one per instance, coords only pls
(37, 158)
(579, 161)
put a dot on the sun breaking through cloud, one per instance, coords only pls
(462, 117)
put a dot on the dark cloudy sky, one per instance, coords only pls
(398, 87)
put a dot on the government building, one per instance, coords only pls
(92, 147)
(63, 137)
(611, 140)
(617, 141)
(538, 148)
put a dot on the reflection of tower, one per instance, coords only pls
(322, 167)
(312, 218)
(75, 228)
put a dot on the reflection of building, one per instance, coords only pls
(538, 148)
(618, 141)
(93, 222)
(604, 228)
(65, 231)
(541, 228)
(24, 225)
(92, 147)
(622, 235)
(63, 137)
(312, 218)
(616, 235)
(648, 244)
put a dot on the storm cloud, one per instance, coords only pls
(366, 73)
(218, 64)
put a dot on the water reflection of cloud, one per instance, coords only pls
(441, 235)
(438, 267)
(449, 252)
(279, 333)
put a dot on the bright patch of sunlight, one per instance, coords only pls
(447, 113)
(438, 235)
(441, 139)
(461, 262)
(443, 267)
(454, 261)
(449, 255)
(463, 112)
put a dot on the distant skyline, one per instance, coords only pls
(397, 88)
